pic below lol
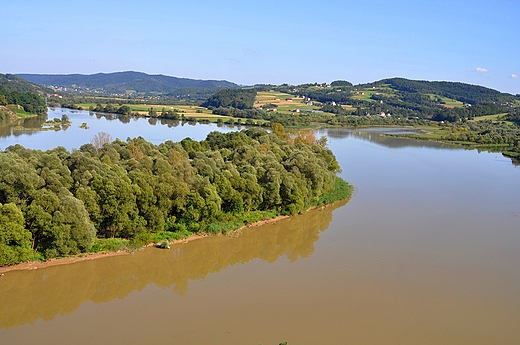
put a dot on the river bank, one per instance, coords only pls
(34, 265)
(418, 244)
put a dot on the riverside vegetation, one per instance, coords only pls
(112, 194)
(444, 111)
(14, 103)
(117, 190)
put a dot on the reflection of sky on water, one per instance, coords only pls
(63, 289)
(382, 136)
(159, 130)
(429, 239)
(122, 127)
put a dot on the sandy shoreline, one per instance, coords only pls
(33, 265)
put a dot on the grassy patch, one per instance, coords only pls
(109, 245)
(235, 222)
(342, 190)
(37, 256)
(448, 102)
(170, 236)
(495, 117)
(364, 94)
(18, 110)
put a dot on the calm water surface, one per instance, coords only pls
(426, 252)
(119, 126)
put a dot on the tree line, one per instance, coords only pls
(233, 98)
(31, 102)
(55, 203)
(467, 93)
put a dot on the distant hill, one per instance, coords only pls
(17, 92)
(467, 93)
(437, 100)
(405, 91)
(14, 83)
(121, 82)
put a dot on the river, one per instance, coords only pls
(427, 251)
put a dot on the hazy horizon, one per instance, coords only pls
(246, 43)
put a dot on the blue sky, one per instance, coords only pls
(274, 42)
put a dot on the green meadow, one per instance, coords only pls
(18, 110)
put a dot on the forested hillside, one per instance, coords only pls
(57, 203)
(232, 98)
(13, 83)
(437, 100)
(121, 82)
(17, 94)
(467, 93)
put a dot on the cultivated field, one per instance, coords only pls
(280, 99)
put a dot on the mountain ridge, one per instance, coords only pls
(121, 82)
(15, 83)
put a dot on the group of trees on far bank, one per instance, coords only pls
(31, 102)
(232, 98)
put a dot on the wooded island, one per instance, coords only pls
(112, 194)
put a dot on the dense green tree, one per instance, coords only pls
(39, 218)
(234, 98)
(31, 101)
(72, 231)
(15, 240)
(133, 189)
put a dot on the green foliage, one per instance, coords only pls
(37, 183)
(109, 245)
(90, 199)
(73, 232)
(269, 106)
(142, 239)
(112, 108)
(4, 115)
(341, 83)
(406, 99)
(334, 109)
(120, 82)
(234, 98)
(342, 190)
(170, 236)
(513, 115)
(164, 245)
(484, 133)
(13, 83)
(467, 93)
(15, 241)
(31, 102)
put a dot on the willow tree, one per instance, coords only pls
(15, 241)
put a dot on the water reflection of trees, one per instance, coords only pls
(382, 136)
(30, 295)
(28, 126)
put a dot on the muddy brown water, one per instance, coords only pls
(427, 251)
